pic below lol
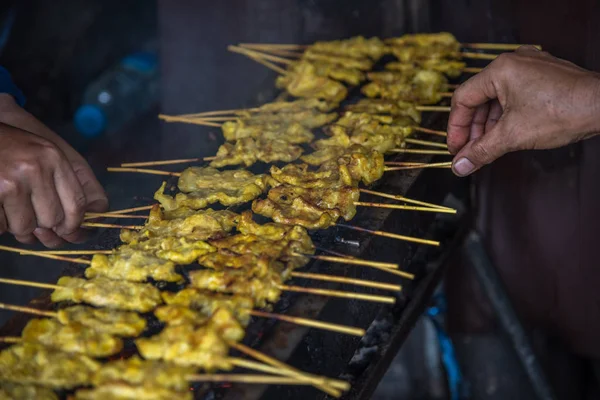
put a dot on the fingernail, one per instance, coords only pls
(463, 167)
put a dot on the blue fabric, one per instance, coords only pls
(7, 86)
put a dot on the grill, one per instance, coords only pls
(360, 361)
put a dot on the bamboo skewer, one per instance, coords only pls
(431, 131)
(478, 56)
(426, 143)
(412, 164)
(143, 171)
(350, 281)
(472, 70)
(318, 382)
(405, 199)
(311, 323)
(496, 46)
(403, 207)
(433, 165)
(339, 293)
(167, 162)
(75, 252)
(354, 261)
(28, 310)
(98, 225)
(420, 151)
(35, 253)
(11, 339)
(446, 95)
(170, 118)
(128, 210)
(247, 378)
(20, 282)
(110, 215)
(336, 383)
(267, 64)
(216, 112)
(348, 260)
(433, 108)
(257, 54)
(391, 235)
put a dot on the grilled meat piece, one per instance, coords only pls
(102, 320)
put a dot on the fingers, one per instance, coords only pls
(3, 223)
(494, 115)
(73, 202)
(20, 217)
(479, 152)
(467, 99)
(96, 199)
(479, 121)
(48, 209)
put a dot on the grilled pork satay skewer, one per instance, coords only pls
(279, 52)
(100, 225)
(421, 151)
(128, 323)
(100, 292)
(434, 165)
(405, 199)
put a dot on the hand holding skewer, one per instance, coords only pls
(45, 185)
(522, 101)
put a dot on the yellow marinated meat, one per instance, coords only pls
(340, 198)
(225, 258)
(32, 364)
(302, 80)
(300, 212)
(277, 150)
(445, 39)
(362, 165)
(13, 391)
(382, 106)
(351, 76)
(177, 315)
(223, 320)
(292, 132)
(207, 302)
(308, 118)
(146, 373)
(424, 87)
(204, 186)
(360, 62)
(242, 152)
(338, 138)
(273, 231)
(102, 320)
(299, 175)
(377, 137)
(247, 151)
(132, 265)
(323, 155)
(357, 46)
(195, 178)
(72, 338)
(122, 391)
(295, 105)
(104, 292)
(283, 250)
(186, 345)
(179, 250)
(185, 222)
(262, 289)
(448, 67)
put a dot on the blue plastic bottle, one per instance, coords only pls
(119, 95)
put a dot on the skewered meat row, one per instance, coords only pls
(114, 322)
(201, 187)
(33, 364)
(248, 151)
(302, 80)
(421, 86)
(104, 292)
(71, 338)
(122, 391)
(357, 47)
(12, 391)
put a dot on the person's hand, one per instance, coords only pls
(521, 101)
(45, 185)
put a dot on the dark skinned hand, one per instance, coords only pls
(521, 101)
(45, 185)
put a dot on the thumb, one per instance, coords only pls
(479, 152)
